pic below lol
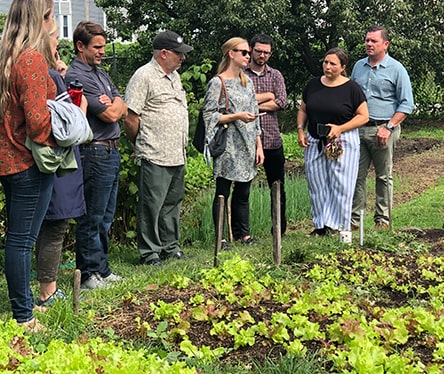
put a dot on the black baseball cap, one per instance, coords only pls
(171, 41)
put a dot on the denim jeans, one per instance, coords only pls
(27, 198)
(101, 165)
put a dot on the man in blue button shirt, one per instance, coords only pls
(387, 86)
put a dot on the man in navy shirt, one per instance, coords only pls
(100, 158)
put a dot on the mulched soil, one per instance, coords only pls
(419, 161)
(123, 319)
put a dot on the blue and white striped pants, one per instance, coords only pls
(331, 184)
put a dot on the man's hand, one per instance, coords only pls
(382, 136)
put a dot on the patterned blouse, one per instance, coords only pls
(160, 101)
(27, 113)
(238, 162)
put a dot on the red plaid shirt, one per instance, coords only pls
(270, 80)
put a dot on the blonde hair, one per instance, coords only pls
(23, 29)
(228, 46)
(48, 52)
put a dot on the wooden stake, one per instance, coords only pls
(219, 228)
(230, 232)
(76, 295)
(276, 204)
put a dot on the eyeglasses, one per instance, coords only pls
(177, 53)
(259, 52)
(243, 51)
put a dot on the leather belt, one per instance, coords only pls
(376, 123)
(112, 143)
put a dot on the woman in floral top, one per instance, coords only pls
(25, 86)
(243, 152)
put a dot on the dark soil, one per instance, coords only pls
(420, 162)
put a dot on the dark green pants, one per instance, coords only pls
(161, 191)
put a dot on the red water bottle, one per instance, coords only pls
(75, 90)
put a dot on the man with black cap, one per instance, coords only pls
(157, 125)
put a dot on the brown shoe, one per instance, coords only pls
(354, 228)
(33, 326)
(381, 226)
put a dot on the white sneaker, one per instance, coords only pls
(95, 281)
(113, 277)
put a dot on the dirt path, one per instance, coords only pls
(419, 163)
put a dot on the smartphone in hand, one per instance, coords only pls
(322, 130)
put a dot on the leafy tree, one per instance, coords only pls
(2, 21)
(303, 30)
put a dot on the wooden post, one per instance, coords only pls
(76, 294)
(230, 232)
(219, 229)
(276, 204)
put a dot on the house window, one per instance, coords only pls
(65, 30)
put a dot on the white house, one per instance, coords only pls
(69, 13)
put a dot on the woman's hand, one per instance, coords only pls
(259, 152)
(303, 139)
(335, 131)
(247, 116)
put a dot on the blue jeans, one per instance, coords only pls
(101, 165)
(27, 198)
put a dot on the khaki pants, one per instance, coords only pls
(382, 159)
(161, 191)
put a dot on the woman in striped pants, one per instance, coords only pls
(334, 107)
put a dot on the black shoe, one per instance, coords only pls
(318, 232)
(224, 246)
(329, 230)
(178, 255)
(153, 262)
(249, 241)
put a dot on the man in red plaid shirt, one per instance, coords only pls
(271, 96)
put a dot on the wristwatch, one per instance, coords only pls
(389, 126)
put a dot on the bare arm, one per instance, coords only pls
(359, 119)
(242, 116)
(116, 109)
(266, 102)
(259, 152)
(131, 126)
(300, 122)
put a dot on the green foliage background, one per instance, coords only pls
(303, 31)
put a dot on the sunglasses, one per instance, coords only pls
(259, 52)
(243, 51)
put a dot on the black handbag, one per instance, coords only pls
(199, 134)
(218, 144)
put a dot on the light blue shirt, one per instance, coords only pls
(386, 86)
